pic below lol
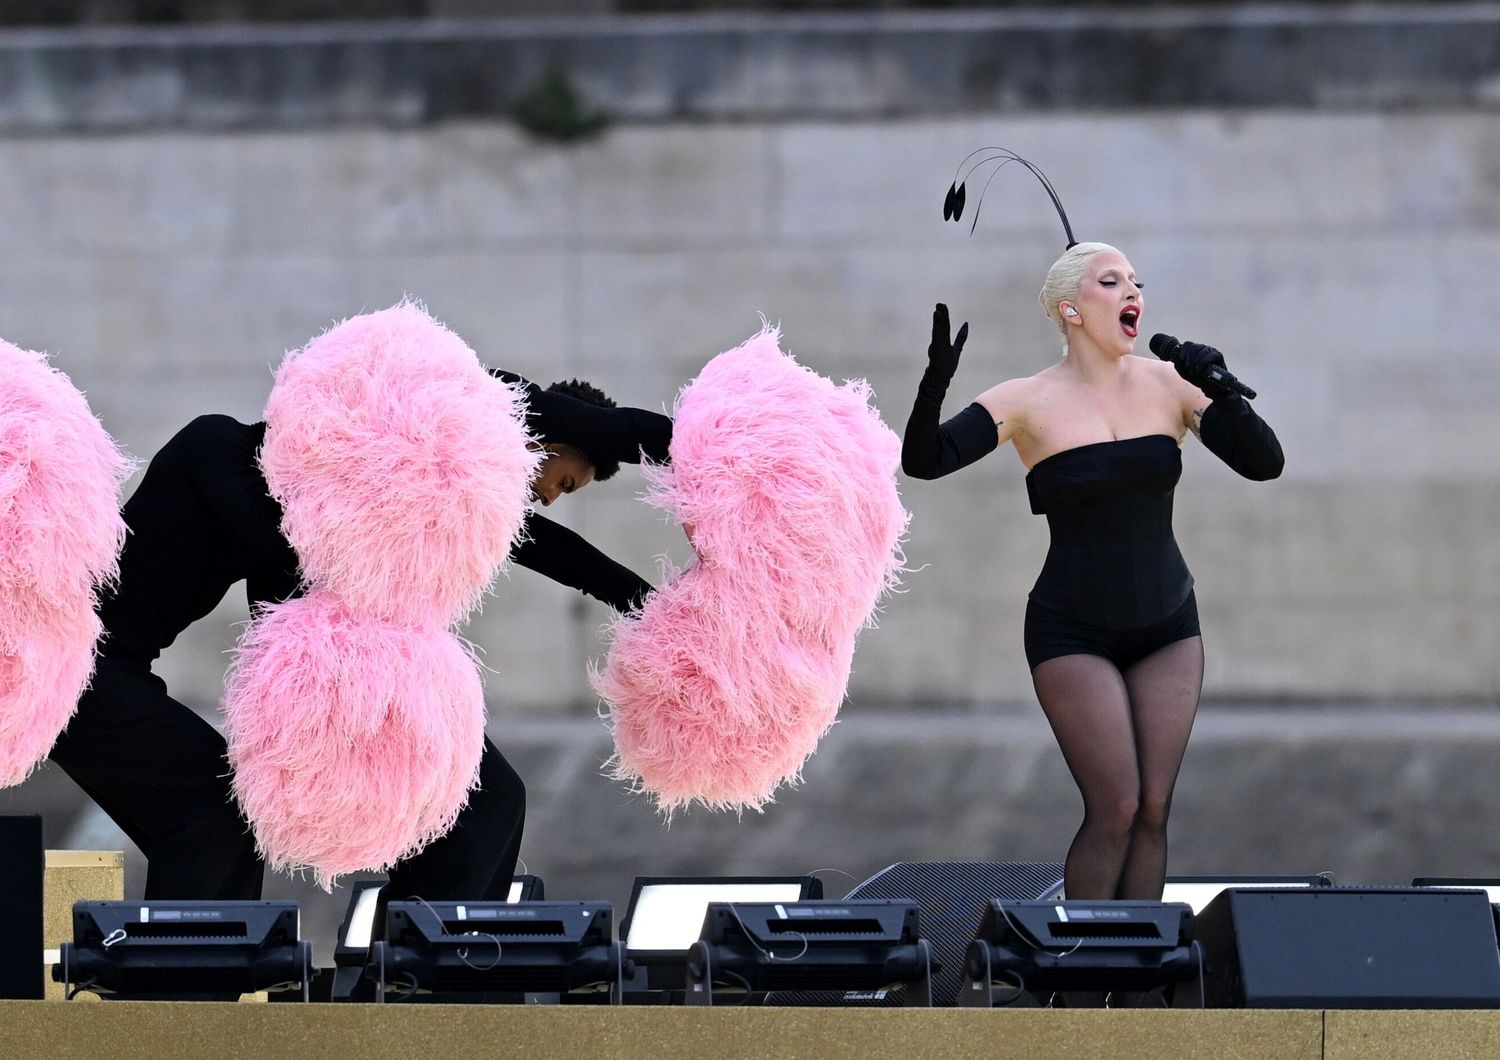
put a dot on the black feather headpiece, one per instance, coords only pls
(953, 202)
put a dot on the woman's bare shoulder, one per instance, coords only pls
(1022, 389)
(1164, 374)
(1157, 370)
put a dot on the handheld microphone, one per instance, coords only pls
(1167, 347)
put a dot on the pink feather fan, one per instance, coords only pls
(60, 539)
(401, 466)
(354, 741)
(722, 686)
(355, 718)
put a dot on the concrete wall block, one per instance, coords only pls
(33, 295)
(1220, 173)
(454, 188)
(751, 65)
(108, 196)
(1396, 647)
(1400, 440)
(841, 314)
(1354, 542)
(489, 187)
(1224, 173)
(1442, 175)
(836, 182)
(635, 259)
(675, 311)
(680, 186)
(535, 661)
(511, 306)
(356, 191)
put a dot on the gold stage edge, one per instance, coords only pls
(164, 1030)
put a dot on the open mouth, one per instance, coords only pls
(1129, 318)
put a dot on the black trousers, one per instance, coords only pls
(161, 774)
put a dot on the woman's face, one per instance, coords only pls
(563, 470)
(1109, 303)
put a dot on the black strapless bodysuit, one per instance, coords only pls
(1113, 562)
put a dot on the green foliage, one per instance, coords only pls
(551, 109)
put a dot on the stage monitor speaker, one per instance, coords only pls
(1490, 885)
(21, 867)
(951, 897)
(1349, 948)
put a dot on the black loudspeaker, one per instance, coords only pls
(21, 864)
(951, 897)
(1350, 948)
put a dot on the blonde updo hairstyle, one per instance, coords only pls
(1064, 279)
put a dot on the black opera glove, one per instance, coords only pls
(942, 356)
(1231, 430)
(929, 449)
(1196, 362)
(932, 450)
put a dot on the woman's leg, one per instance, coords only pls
(1164, 688)
(1086, 703)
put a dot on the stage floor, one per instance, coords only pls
(169, 1030)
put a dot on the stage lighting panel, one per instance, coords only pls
(1040, 947)
(859, 944)
(665, 919)
(186, 949)
(527, 948)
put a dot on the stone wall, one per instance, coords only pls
(1339, 260)
(1340, 255)
(755, 65)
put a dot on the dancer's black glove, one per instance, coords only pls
(621, 434)
(929, 449)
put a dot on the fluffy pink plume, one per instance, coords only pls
(60, 539)
(722, 686)
(355, 717)
(401, 465)
(354, 742)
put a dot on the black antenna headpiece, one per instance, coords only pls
(953, 202)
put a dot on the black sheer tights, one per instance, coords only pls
(1123, 736)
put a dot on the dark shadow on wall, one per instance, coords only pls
(100, 12)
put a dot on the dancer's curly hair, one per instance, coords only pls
(582, 390)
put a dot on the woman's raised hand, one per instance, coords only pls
(943, 352)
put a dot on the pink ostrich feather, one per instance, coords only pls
(60, 478)
(402, 466)
(46, 659)
(721, 687)
(354, 742)
(60, 539)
